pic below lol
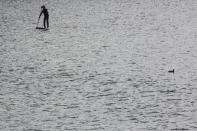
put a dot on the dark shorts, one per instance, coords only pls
(46, 17)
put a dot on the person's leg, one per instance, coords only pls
(44, 22)
(48, 22)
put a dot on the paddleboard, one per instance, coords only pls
(41, 28)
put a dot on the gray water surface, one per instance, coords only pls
(102, 65)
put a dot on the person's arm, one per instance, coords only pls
(40, 14)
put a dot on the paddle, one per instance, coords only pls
(37, 23)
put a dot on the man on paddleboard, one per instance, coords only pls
(46, 16)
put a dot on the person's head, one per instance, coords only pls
(43, 7)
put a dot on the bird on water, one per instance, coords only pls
(171, 71)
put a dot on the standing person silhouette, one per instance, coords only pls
(46, 16)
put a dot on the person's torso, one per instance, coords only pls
(45, 11)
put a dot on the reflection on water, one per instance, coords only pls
(103, 65)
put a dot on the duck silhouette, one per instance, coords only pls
(171, 71)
